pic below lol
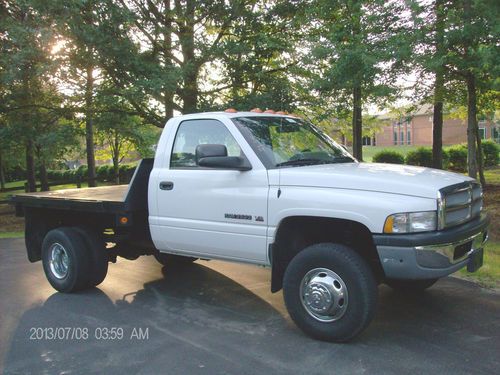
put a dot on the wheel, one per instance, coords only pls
(98, 256)
(65, 260)
(410, 285)
(169, 259)
(330, 292)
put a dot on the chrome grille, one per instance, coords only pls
(459, 203)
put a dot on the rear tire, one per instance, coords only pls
(410, 285)
(171, 259)
(330, 292)
(98, 256)
(65, 260)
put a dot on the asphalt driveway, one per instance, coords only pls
(220, 318)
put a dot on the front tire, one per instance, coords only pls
(330, 292)
(64, 260)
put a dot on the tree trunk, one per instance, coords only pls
(437, 117)
(437, 134)
(357, 125)
(471, 125)
(480, 159)
(44, 181)
(116, 160)
(167, 52)
(89, 127)
(30, 166)
(190, 68)
(2, 173)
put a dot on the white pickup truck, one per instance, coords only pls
(272, 190)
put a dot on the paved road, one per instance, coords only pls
(220, 318)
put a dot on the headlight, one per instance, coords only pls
(410, 222)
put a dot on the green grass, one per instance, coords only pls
(489, 274)
(370, 151)
(11, 234)
(492, 176)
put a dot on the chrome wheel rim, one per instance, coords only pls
(324, 295)
(59, 260)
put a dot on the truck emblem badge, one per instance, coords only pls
(259, 218)
(238, 216)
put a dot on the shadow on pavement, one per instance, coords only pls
(199, 321)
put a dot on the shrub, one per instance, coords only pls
(490, 153)
(422, 157)
(55, 175)
(82, 172)
(389, 156)
(69, 175)
(102, 172)
(126, 172)
(457, 158)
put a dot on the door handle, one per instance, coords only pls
(166, 185)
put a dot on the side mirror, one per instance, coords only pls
(215, 156)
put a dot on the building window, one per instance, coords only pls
(408, 136)
(395, 136)
(495, 134)
(482, 133)
(368, 141)
(402, 139)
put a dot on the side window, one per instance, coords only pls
(192, 133)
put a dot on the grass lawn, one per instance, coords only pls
(489, 274)
(11, 234)
(369, 151)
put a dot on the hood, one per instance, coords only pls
(387, 178)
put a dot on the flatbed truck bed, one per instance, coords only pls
(120, 210)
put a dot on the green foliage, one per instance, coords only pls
(126, 172)
(490, 153)
(422, 157)
(389, 156)
(457, 158)
(104, 173)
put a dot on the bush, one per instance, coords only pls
(422, 157)
(126, 172)
(457, 158)
(82, 172)
(69, 175)
(490, 153)
(389, 156)
(103, 172)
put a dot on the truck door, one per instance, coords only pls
(217, 213)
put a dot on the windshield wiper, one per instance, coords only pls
(302, 162)
(299, 162)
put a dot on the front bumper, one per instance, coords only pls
(431, 255)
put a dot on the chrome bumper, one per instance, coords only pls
(405, 258)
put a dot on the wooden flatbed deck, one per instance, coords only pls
(116, 193)
(116, 199)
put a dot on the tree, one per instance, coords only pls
(118, 133)
(25, 64)
(475, 60)
(351, 44)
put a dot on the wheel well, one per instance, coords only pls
(298, 232)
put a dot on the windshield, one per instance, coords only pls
(286, 141)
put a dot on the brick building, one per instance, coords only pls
(416, 129)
